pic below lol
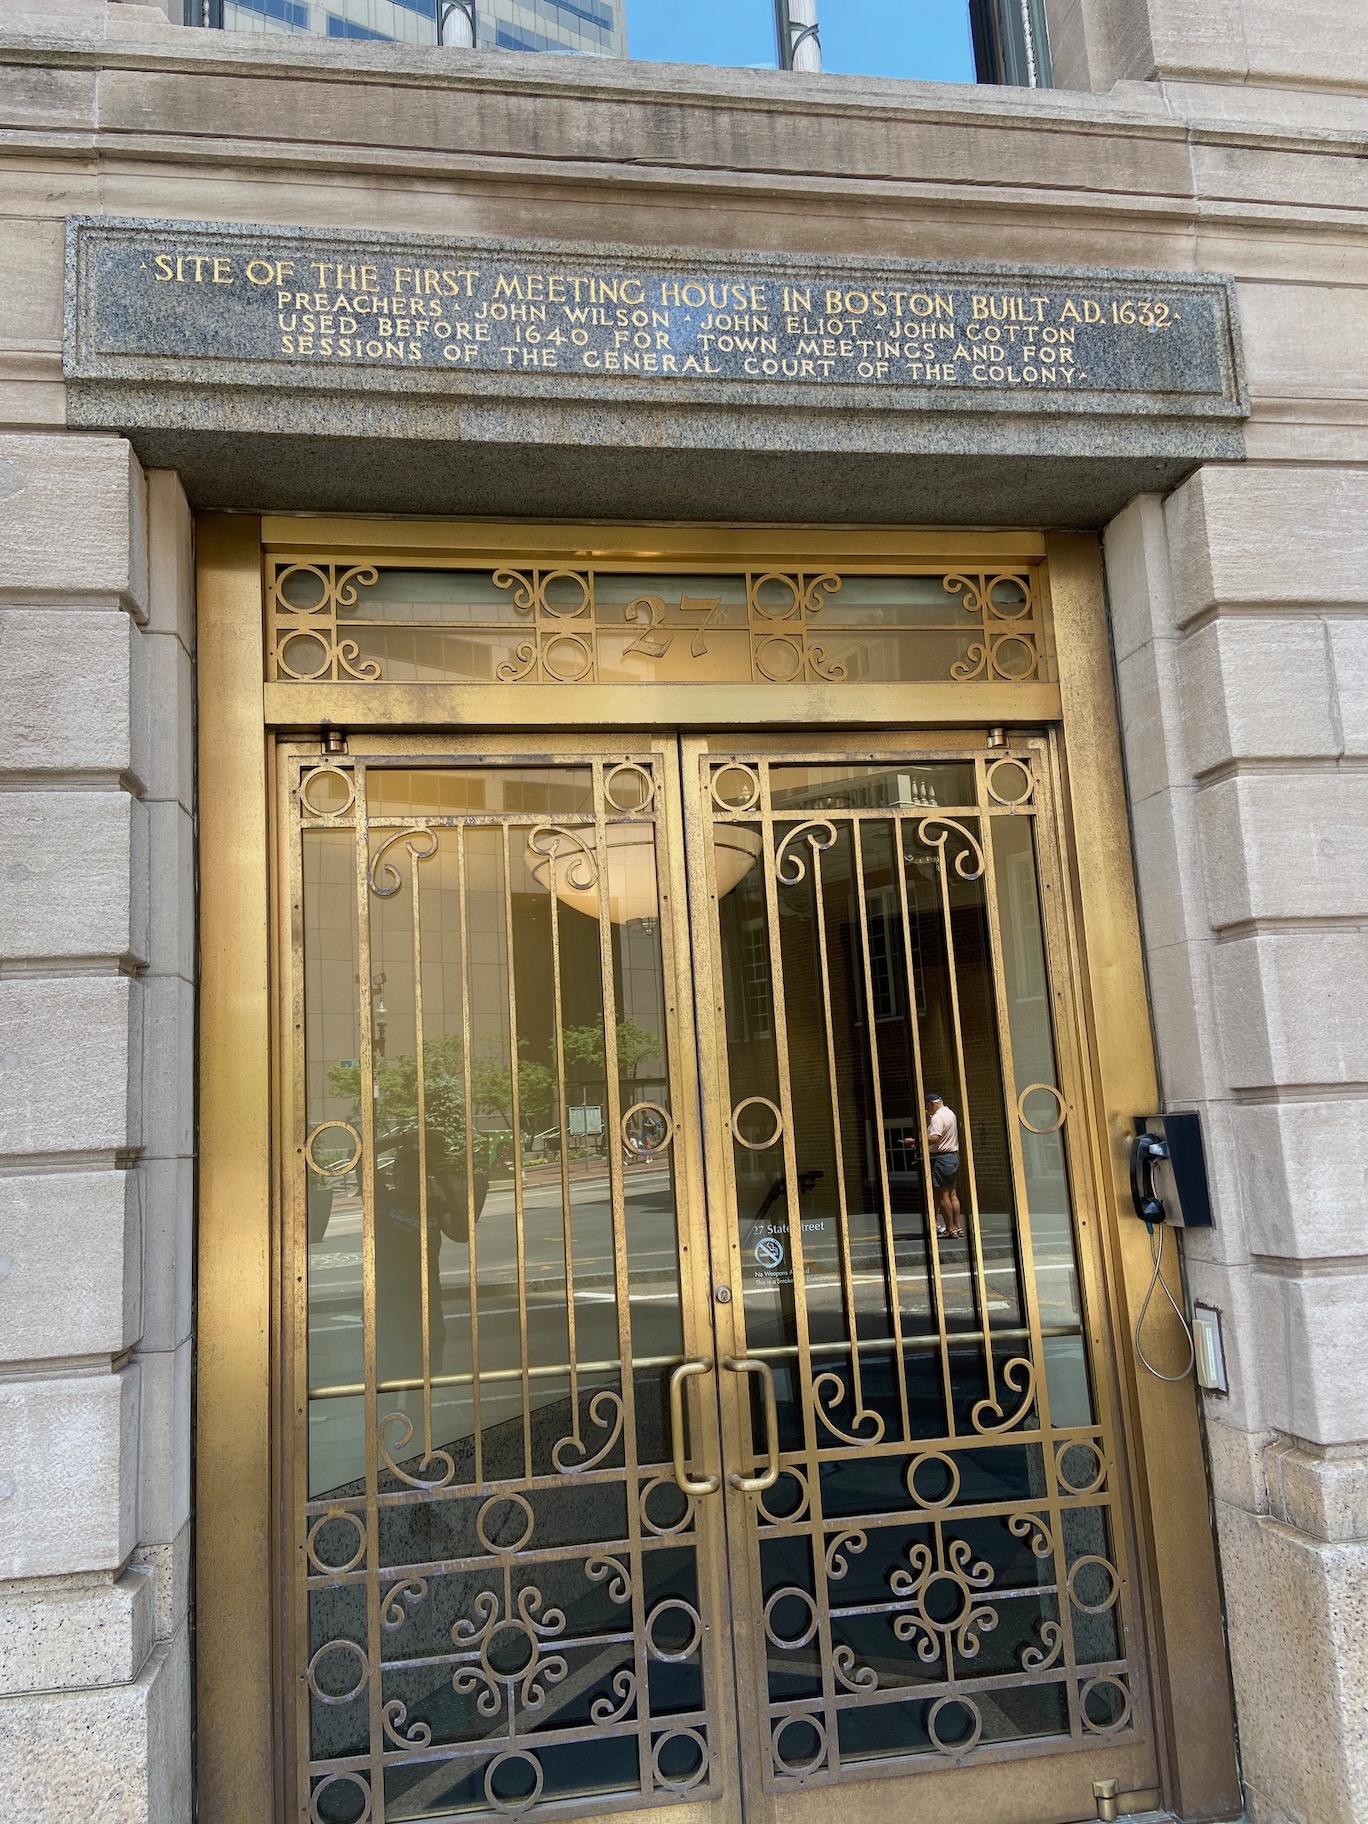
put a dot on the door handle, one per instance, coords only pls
(754, 1485)
(709, 1485)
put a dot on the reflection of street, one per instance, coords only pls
(769, 1275)
(499, 1323)
(336, 1324)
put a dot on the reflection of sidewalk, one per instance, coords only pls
(550, 1173)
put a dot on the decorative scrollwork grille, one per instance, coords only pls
(567, 624)
(941, 1565)
(500, 1598)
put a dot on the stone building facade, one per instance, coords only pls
(1224, 137)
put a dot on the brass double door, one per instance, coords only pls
(646, 1441)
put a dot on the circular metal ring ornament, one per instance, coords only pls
(1007, 611)
(751, 780)
(969, 1742)
(282, 579)
(338, 1646)
(951, 1494)
(799, 1770)
(791, 1592)
(1098, 1684)
(784, 611)
(1012, 656)
(511, 1807)
(314, 778)
(629, 770)
(495, 1501)
(673, 1656)
(999, 772)
(653, 1526)
(685, 1782)
(734, 1123)
(575, 660)
(311, 1543)
(1061, 1108)
(1099, 1476)
(651, 1115)
(564, 611)
(357, 1780)
(1113, 1585)
(305, 638)
(339, 1166)
(502, 1644)
(779, 659)
(800, 1506)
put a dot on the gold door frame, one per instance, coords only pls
(240, 1490)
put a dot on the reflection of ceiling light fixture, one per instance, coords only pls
(735, 852)
(632, 891)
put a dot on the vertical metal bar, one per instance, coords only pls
(919, 1084)
(368, 1308)
(296, 1286)
(966, 1138)
(803, 1387)
(843, 1212)
(622, 1290)
(567, 1229)
(424, 1238)
(1062, 942)
(515, 1110)
(463, 919)
(704, 1161)
(473, 1294)
(621, 1285)
(1022, 1225)
(876, 1085)
(1010, 1088)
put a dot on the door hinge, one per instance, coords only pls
(1108, 1796)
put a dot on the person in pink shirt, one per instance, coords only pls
(942, 1137)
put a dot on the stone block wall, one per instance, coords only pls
(1317, 43)
(1240, 609)
(96, 1132)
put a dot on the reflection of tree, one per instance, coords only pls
(584, 1048)
(491, 1082)
(396, 1097)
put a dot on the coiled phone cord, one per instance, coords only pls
(1157, 1280)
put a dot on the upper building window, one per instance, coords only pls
(1001, 41)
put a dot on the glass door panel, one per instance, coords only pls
(938, 1576)
(578, 1524)
(505, 1599)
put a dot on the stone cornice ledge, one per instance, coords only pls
(1143, 110)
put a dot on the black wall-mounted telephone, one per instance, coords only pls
(1172, 1141)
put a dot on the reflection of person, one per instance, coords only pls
(942, 1138)
(399, 1247)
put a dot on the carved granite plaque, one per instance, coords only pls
(200, 304)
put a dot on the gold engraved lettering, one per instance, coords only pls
(192, 269)
(268, 272)
(711, 609)
(648, 611)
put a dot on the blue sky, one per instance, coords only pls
(921, 38)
